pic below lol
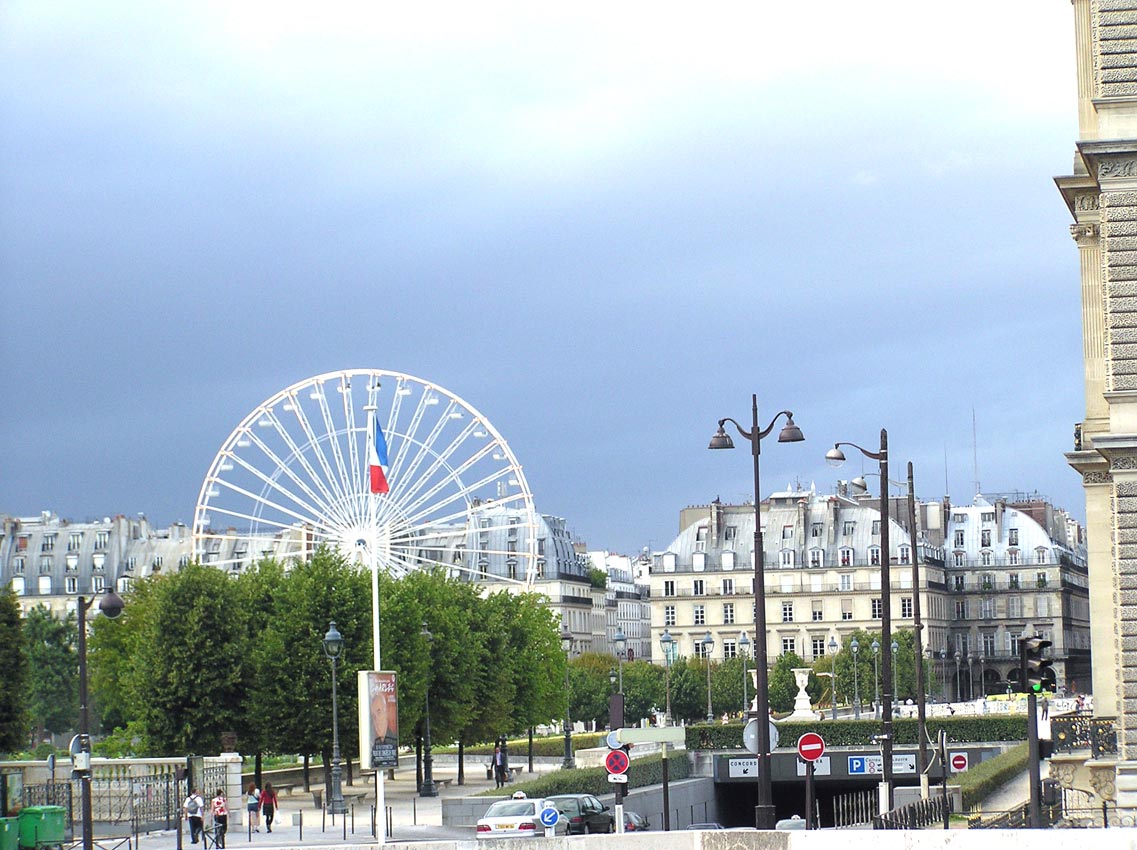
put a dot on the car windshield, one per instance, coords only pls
(510, 809)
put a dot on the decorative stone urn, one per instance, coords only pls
(803, 710)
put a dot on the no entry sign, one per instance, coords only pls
(958, 762)
(616, 761)
(810, 746)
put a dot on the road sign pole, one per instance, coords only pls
(1033, 760)
(666, 792)
(809, 795)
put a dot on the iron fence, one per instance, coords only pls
(916, 815)
(1080, 731)
(857, 808)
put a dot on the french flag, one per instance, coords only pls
(377, 460)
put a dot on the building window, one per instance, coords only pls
(74, 541)
(700, 615)
(1042, 606)
(906, 607)
(701, 534)
(877, 609)
(818, 614)
(989, 643)
(45, 585)
(1013, 640)
(184, 560)
(846, 609)
(669, 615)
(787, 532)
(728, 613)
(1013, 557)
(669, 562)
(817, 647)
(98, 584)
(697, 587)
(987, 608)
(102, 538)
(874, 555)
(1040, 580)
(729, 649)
(18, 586)
(846, 557)
(45, 564)
(730, 533)
(787, 557)
(789, 646)
(699, 561)
(958, 582)
(1013, 581)
(71, 584)
(815, 529)
(787, 612)
(1012, 537)
(816, 558)
(961, 609)
(1040, 555)
(669, 587)
(905, 555)
(988, 516)
(701, 650)
(18, 565)
(22, 543)
(876, 528)
(985, 558)
(728, 587)
(48, 543)
(1014, 607)
(957, 559)
(985, 537)
(845, 581)
(124, 584)
(849, 527)
(728, 560)
(959, 538)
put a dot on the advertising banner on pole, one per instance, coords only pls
(378, 720)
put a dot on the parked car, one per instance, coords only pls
(635, 822)
(584, 813)
(705, 826)
(515, 818)
(789, 824)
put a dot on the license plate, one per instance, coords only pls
(507, 826)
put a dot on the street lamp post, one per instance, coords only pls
(621, 653)
(958, 689)
(983, 676)
(856, 647)
(743, 648)
(111, 605)
(566, 644)
(790, 433)
(876, 678)
(428, 789)
(836, 456)
(666, 641)
(943, 669)
(833, 676)
(333, 646)
(971, 675)
(708, 645)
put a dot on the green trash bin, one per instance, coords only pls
(9, 834)
(42, 825)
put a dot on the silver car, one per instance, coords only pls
(518, 819)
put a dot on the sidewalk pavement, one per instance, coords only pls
(413, 818)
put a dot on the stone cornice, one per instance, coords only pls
(1112, 163)
(1080, 192)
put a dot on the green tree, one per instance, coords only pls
(52, 683)
(783, 683)
(644, 690)
(13, 673)
(688, 690)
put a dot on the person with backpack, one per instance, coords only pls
(193, 806)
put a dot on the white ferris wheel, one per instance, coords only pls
(296, 475)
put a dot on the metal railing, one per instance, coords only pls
(917, 815)
(1082, 731)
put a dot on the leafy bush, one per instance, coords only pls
(594, 780)
(855, 733)
(979, 782)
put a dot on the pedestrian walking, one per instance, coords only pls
(220, 808)
(194, 807)
(268, 805)
(253, 806)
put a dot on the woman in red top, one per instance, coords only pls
(268, 804)
(220, 809)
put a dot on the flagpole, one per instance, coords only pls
(373, 565)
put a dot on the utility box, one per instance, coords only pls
(9, 834)
(1051, 792)
(40, 825)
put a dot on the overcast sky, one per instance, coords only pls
(604, 225)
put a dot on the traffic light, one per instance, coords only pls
(1033, 667)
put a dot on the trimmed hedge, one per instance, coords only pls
(542, 747)
(979, 782)
(594, 780)
(856, 733)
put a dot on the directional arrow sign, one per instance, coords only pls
(810, 746)
(651, 735)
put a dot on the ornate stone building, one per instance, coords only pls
(1101, 194)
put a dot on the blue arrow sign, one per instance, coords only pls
(549, 816)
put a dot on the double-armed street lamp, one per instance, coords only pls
(876, 678)
(790, 433)
(111, 605)
(855, 646)
(836, 457)
(428, 789)
(666, 643)
(566, 644)
(333, 647)
(743, 648)
(708, 644)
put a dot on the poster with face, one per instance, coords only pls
(378, 719)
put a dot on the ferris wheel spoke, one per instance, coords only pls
(452, 474)
(317, 442)
(296, 453)
(332, 432)
(285, 468)
(353, 461)
(328, 477)
(424, 514)
(440, 460)
(315, 505)
(259, 521)
(313, 520)
(397, 464)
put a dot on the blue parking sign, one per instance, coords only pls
(856, 765)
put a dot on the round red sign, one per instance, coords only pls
(616, 761)
(810, 746)
(959, 762)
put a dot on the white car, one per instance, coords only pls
(518, 819)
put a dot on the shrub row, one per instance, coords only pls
(542, 747)
(979, 782)
(594, 780)
(856, 733)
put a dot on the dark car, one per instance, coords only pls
(584, 813)
(635, 822)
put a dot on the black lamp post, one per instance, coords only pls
(836, 457)
(790, 433)
(708, 645)
(958, 689)
(743, 648)
(621, 653)
(333, 647)
(855, 646)
(876, 678)
(111, 605)
(666, 642)
(983, 676)
(566, 644)
(833, 676)
(428, 789)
